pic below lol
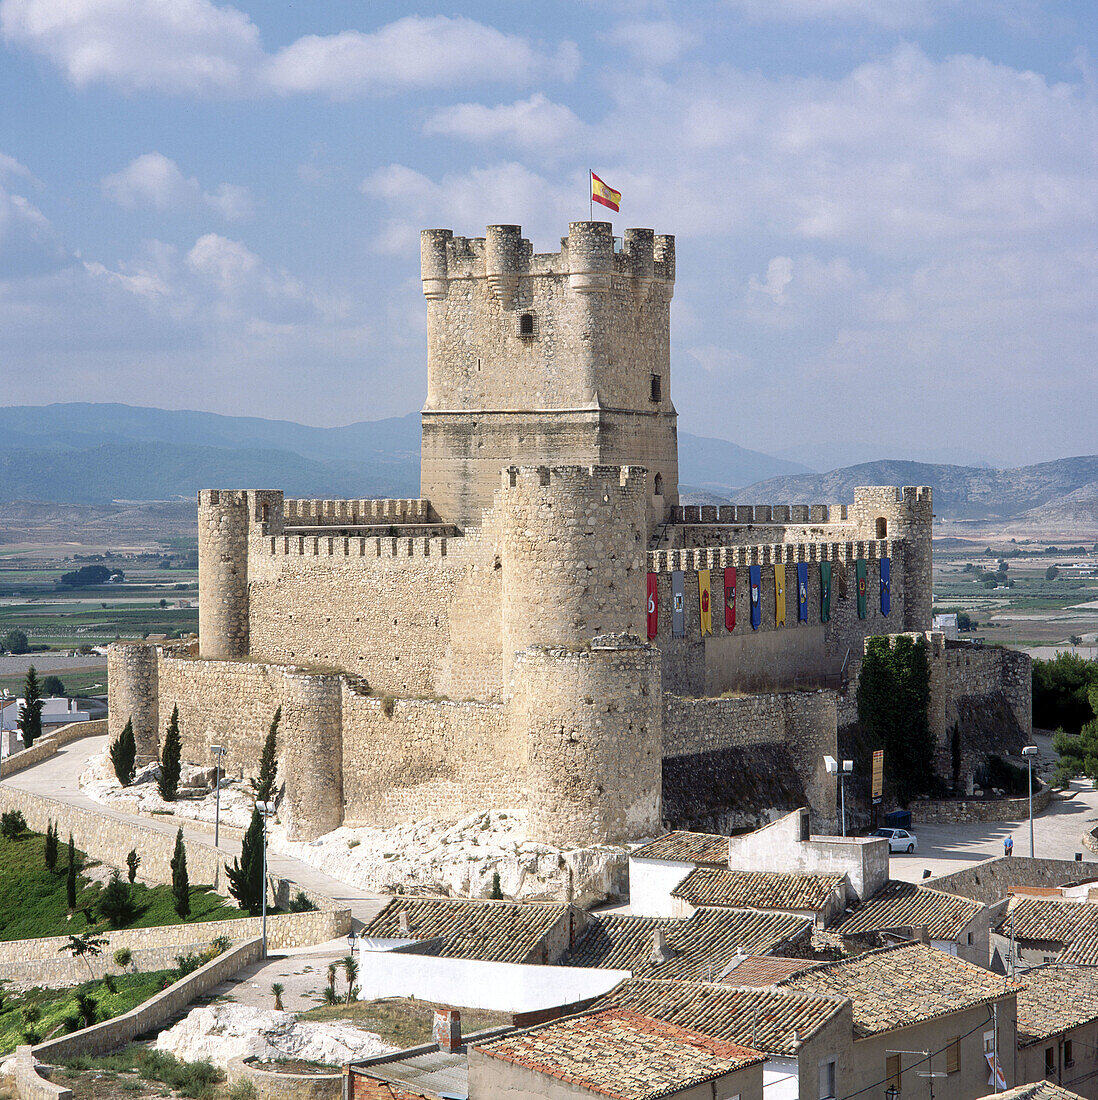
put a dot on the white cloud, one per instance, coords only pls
(536, 122)
(156, 181)
(10, 167)
(886, 13)
(198, 47)
(655, 41)
(779, 274)
(29, 244)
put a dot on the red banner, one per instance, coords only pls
(730, 597)
(653, 606)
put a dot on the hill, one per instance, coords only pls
(960, 492)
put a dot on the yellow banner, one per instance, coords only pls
(779, 593)
(705, 598)
(878, 775)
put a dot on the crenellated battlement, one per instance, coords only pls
(719, 557)
(631, 480)
(354, 513)
(352, 549)
(739, 515)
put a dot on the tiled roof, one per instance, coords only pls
(1082, 951)
(764, 970)
(622, 1054)
(1048, 920)
(1056, 998)
(699, 948)
(1036, 1090)
(492, 931)
(905, 905)
(771, 1020)
(685, 847)
(757, 889)
(900, 986)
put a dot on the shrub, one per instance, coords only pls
(123, 957)
(242, 1090)
(495, 892)
(123, 753)
(109, 983)
(170, 760)
(299, 903)
(181, 887)
(70, 876)
(277, 988)
(12, 824)
(133, 861)
(86, 1009)
(116, 902)
(53, 843)
(1061, 689)
(188, 964)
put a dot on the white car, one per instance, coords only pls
(899, 840)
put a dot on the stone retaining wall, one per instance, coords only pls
(270, 1085)
(993, 879)
(28, 1084)
(950, 811)
(46, 746)
(1090, 840)
(153, 1012)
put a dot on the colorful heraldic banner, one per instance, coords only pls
(825, 592)
(678, 604)
(653, 606)
(705, 597)
(779, 594)
(861, 570)
(755, 575)
(802, 591)
(878, 776)
(886, 585)
(730, 598)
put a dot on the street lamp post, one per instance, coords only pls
(842, 771)
(219, 752)
(1029, 752)
(266, 810)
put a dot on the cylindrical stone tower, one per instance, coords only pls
(132, 695)
(592, 720)
(573, 553)
(222, 573)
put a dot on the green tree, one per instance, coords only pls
(133, 861)
(350, 968)
(52, 845)
(115, 903)
(181, 887)
(264, 783)
(1051, 573)
(1061, 692)
(246, 873)
(15, 641)
(893, 704)
(30, 713)
(84, 947)
(171, 760)
(1079, 752)
(70, 876)
(52, 685)
(123, 754)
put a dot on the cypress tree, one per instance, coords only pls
(51, 845)
(264, 784)
(70, 876)
(246, 873)
(124, 754)
(181, 887)
(170, 760)
(30, 713)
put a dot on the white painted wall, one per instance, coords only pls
(650, 884)
(469, 983)
(781, 1080)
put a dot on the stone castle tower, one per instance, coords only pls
(546, 359)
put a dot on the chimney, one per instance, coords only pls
(660, 951)
(403, 925)
(920, 932)
(447, 1029)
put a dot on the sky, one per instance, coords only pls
(886, 211)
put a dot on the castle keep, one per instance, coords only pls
(530, 632)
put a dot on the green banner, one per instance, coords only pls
(861, 568)
(825, 592)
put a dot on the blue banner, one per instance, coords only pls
(802, 591)
(886, 585)
(755, 573)
(678, 604)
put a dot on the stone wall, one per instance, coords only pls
(969, 810)
(993, 879)
(29, 1085)
(46, 746)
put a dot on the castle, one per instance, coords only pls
(547, 627)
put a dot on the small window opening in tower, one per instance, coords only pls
(657, 388)
(882, 527)
(266, 512)
(659, 485)
(526, 325)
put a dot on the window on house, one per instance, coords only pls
(656, 393)
(968, 939)
(658, 488)
(527, 325)
(882, 527)
(827, 1079)
(953, 1057)
(893, 1071)
(1050, 1061)
(1069, 1053)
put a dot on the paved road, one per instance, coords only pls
(1057, 834)
(58, 777)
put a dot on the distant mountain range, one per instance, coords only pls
(95, 453)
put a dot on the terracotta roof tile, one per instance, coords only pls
(905, 905)
(1049, 920)
(757, 889)
(764, 970)
(1036, 1090)
(771, 1020)
(1056, 998)
(899, 986)
(622, 1054)
(492, 931)
(699, 948)
(686, 847)
(1082, 951)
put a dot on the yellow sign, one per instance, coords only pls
(779, 594)
(878, 776)
(705, 597)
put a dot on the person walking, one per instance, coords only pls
(1008, 846)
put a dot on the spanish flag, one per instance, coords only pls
(603, 194)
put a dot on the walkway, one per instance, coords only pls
(58, 777)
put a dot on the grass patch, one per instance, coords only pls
(133, 1068)
(401, 1021)
(33, 902)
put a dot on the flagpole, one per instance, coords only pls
(590, 194)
